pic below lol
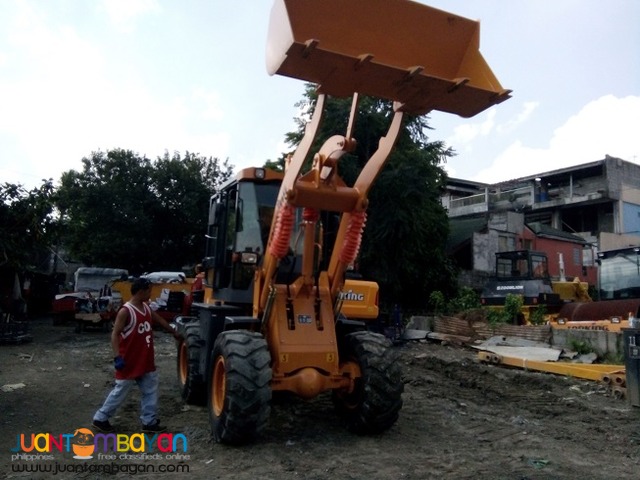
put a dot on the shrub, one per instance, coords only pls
(510, 313)
(581, 347)
(537, 315)
(467, 299)
(513, 307)
(437, 302)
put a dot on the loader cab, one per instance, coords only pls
(619, 274)
(519, 272)
(240, 216)
(521, 264)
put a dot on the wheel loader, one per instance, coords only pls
(278, 247)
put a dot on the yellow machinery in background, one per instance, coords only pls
(526, 273)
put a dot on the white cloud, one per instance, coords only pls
(123, 13)
(464, 134)
(210, 104)
(527, 109)
(60, 102)
(606, 126)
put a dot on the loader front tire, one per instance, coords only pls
(192, 384)
(374, 403)
(239, 398)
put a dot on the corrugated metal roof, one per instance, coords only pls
(462, 229)
(542, 230)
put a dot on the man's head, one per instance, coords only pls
(140, 284)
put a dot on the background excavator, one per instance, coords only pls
(271, 315)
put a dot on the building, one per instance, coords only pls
(576, 211)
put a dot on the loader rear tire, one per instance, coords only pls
(239, 399)
(192, 384)
(375, 402)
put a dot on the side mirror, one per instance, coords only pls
(214, 214)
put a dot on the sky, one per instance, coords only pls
(157, 76)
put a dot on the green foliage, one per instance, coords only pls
(403, 246)
(581, 347)
(27, 223)
(437, 302)
(537, 315)
(277, 166)
(496, 317)
(465, 299)
(123, 210)
(613, 358)
(510, 313)
(513, 306)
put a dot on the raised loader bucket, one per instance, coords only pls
(398, 50)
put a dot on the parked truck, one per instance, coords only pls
(279, 246)
(91, 303)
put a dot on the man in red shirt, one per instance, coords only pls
(132, 343)
(198, 282)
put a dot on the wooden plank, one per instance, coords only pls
(455, 339)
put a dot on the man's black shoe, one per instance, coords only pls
(154, 428)
(103, 426)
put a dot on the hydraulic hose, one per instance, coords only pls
(353, 237)
(310, 214)
(282, 231)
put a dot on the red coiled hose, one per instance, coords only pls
(353, 237)
(282, 231)
(310, 215)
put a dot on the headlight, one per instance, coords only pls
(249, 258)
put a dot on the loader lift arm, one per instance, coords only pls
(322, 189)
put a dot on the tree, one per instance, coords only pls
(407, 227)
(125, 211)
(183, 187)
(26, 223)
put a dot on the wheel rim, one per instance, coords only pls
(351, 398)
(183, 359)
(219, 386)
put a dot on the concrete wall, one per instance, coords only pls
(484, 248)
(603, 343)
(613, 241)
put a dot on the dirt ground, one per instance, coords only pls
(460, 420)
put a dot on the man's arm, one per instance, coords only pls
(118, 326)
(166, 326)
